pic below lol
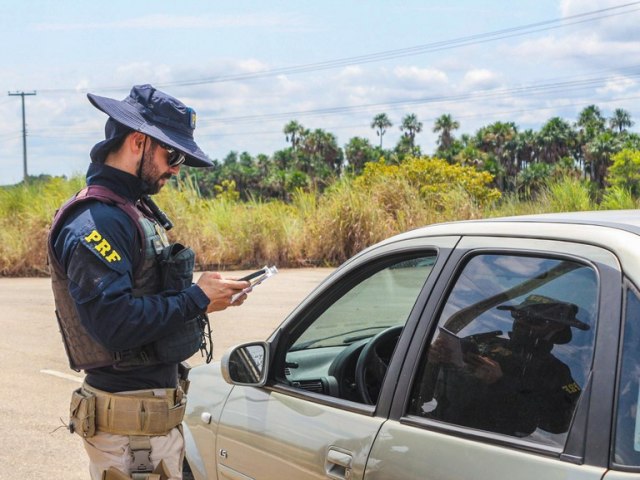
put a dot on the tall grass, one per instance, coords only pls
(25, 216)
(565, 195)
(311, 230)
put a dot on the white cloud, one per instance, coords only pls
(617, 85)
(480, 79)
(420, 77)
(352, 71)
(611, 23)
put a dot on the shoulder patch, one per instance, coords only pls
(89, 273)
(96, 241)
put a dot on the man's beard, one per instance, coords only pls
(150, 174)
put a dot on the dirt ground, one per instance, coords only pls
(37, 382)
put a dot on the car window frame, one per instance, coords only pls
(342, 280)
(628, 288)
(594, 410)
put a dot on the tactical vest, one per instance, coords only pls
(82, 350)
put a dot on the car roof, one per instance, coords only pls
(622, 219)
(615, 230)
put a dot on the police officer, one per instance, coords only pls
(511, 385)
(127, 308)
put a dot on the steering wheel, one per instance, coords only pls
(373, 363)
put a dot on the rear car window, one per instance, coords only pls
(512, 349)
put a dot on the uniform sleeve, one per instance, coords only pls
(559, 401)
(99, 248)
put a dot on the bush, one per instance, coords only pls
(624, 172)
(618, 198)
(433, 179)
(568, 195)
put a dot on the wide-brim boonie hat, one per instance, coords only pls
(549, 309)
(153, 113)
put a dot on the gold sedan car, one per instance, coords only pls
(485, 350)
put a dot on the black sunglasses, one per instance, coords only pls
(176, 157)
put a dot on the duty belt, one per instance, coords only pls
(145, 412)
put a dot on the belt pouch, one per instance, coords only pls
(82, 413)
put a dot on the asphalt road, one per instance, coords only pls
(37, 382)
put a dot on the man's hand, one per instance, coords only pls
(220, 291)
(484, 368)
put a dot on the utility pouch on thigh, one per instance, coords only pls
(82, 413)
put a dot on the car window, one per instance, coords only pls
(627, 442)
(324, 357)
(512, 349)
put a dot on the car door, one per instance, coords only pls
(503, 379)
(311, 421)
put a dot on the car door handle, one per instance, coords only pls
(338, 464)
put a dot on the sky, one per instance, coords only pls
(250, 67)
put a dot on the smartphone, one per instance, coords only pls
(255, 278)
(253, 275)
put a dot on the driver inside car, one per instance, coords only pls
(508, 385)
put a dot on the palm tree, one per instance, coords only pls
(320, 151)
(526, 149)
(380, 123)
(411, 126)
(590, 122)
(598, 155)
(358, 152)
(620, 120)
(444, 125)
(294, 132)
(556, 139)
(498, 139)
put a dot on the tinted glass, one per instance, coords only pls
(512, 349)
(627, 446)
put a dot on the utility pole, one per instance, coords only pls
(24, 132)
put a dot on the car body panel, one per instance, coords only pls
(267, 434)
(399, 452)
(613, 475)
(206, 397)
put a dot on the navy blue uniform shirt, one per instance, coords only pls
(102, 289)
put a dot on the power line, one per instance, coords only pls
(566, 84)
(492, 114)
(469, 40)
(410, 51)
(533, 89)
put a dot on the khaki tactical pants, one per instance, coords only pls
(133, 432)
(108, 450)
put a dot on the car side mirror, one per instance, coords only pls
(246, 364)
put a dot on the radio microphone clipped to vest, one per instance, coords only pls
(159, 215)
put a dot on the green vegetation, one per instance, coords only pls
(315, 203)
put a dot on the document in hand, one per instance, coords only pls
(453, 345)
